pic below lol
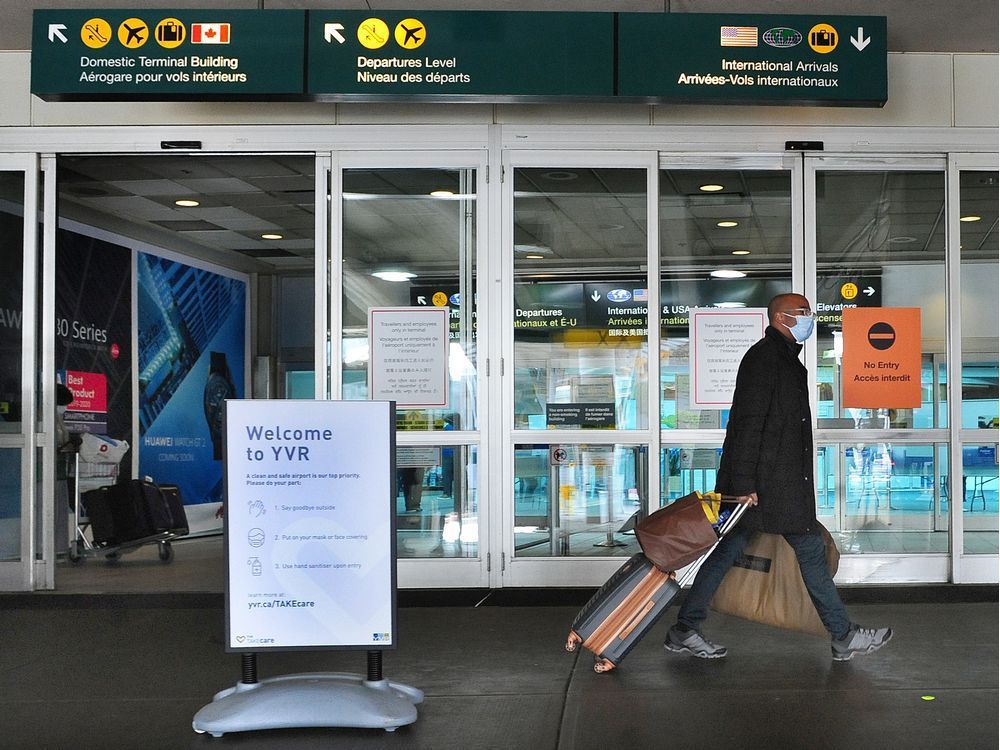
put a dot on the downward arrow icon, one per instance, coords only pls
(595, 296)
(861, 41)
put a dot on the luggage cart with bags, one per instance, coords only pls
(113, 517)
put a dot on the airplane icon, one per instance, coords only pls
(134, 34)
(410, 35)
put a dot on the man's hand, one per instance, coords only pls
(750, 499)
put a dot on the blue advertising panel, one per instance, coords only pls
(191, 354)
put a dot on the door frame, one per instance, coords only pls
(20, 574)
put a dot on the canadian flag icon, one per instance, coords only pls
(210, 33)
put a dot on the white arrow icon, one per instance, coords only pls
(861, 41)
(595, 296)
(56, 32)
(869, 291)
(332, 31)
(421, 300)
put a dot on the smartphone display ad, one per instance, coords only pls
(309, 537)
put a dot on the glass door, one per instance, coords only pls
(409, 228)
(18, 388)
(579, 425)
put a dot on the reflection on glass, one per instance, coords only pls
(979, 501)
(410, 241)
(744, 226)
(687, 469)
(884, 498)
(580, 299)
(11, 263)
(10, 504)
(880, 242)
(437, 507)
(573, 500)
(980, 295)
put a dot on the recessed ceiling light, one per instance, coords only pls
(534, 256)
(727, 273)
(394, 275)
(728, 224)
(272, 237)
(560, 176)
(971, 218)
(442, 193)
(187, 203)
(729, 304)
(741, 252)
(711, 188)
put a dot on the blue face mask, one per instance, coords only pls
(803, 327)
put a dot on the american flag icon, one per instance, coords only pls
(738, 36)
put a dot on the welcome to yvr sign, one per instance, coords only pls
(343, 55)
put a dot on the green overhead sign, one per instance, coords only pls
(345, 55)
(167, 54)
(744, 58)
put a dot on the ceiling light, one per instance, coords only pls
(727, 273)
(728, 224)
(711, 188)
(187, 203)
(560, 176)
(394, 275)
(535, 256)
(971, 218)
(741, 252)
(729, 304)
(442, 193)
(272, 237)
(902, 240)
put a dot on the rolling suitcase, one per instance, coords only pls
(96, 506)
(629, 604)
(129, 507)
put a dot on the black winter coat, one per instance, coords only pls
(769, 447)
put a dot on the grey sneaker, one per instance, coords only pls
(860, 640)
(694, 643)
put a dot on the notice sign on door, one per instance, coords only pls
(719, 339)
(310, 538)
(881, 364)
(408, 356)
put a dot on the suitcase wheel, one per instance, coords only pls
(603, 665)
(572, 641)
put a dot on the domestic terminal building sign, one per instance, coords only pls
(344, 55)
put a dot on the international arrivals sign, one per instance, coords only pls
(365, 55)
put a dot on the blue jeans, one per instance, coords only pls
(812, 562)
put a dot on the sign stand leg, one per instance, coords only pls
(314, 699)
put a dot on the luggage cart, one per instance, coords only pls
(93, 475)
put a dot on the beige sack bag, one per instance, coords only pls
(765, 585)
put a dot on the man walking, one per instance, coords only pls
(767, 457)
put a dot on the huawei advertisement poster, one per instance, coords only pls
(191, 358)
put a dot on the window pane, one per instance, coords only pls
(10, 503)
(296, 349)
(884, 498)
(437, 506)
(410, 241)
(980, 294)
(880, 243)
(11, 267)
(576, 504)
(580, 299)
(686, 469)
(979, 501)
(716, 221)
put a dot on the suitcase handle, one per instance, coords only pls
(718, 497)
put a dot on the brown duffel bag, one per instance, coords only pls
(679, 533)
(765, 585)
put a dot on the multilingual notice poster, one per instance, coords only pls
(310, 538)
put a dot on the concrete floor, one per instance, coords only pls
(82, 671)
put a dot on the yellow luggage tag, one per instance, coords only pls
(710, 503)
